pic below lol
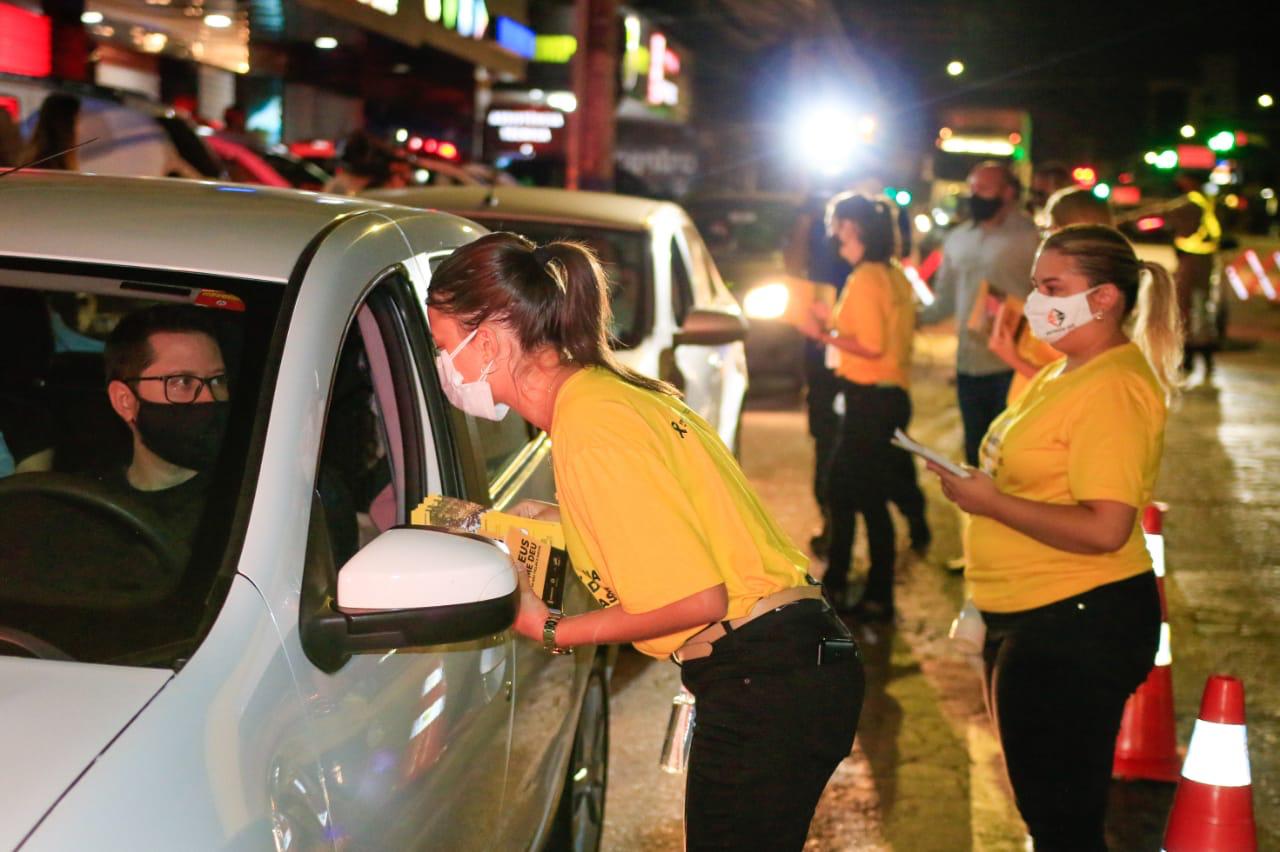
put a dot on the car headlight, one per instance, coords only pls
(768, 301)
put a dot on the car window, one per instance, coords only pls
(369, 475)
(681, 283)
(624, 255)
(112, 535)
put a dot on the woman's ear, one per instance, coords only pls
(1105, 297)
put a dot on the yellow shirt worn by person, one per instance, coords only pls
(1094, 433)
(876, 308)
(654, 506)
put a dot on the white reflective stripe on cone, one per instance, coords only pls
(1218, 755)
(1155, 546)
(1164, 654)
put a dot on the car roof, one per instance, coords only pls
(595, 208)
(184, 225)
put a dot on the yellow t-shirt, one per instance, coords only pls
(876, 307)
(654, 506)
(1095, 433)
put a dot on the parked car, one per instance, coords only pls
(747, 234)
(132, 134)
(672, 315)
(305, 670)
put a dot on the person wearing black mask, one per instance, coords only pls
(167, 381)
(983, 261)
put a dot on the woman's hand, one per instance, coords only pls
(532, 612)
(536, 510)
(976, 493)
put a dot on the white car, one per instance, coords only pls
(302, 669)
(673, 316)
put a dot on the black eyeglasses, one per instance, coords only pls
(184, 388)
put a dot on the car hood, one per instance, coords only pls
(55, 719)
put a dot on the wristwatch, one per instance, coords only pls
(549, 634)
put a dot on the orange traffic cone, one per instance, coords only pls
(1147, 746)
(1213, 807)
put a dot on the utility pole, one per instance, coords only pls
(592, 125)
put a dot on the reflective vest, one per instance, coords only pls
(1206, 238)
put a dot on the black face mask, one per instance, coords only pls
(189, 436)
(983, 209)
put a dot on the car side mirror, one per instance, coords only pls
(711, 327)
(411, 587)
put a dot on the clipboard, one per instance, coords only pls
(902, 441)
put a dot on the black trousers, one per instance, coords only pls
(1057, 678)
(824, 423)
(981, 399)
(867, 472)
(771, 725)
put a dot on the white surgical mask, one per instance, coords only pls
(1052, 317)
(475, 398)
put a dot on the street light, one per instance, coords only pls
(326, 43)
(1222, 141)
(1266, 101)
(1187, 131)
(955, 68)
(217, 21)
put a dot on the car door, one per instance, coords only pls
(414, 742)
(728, 361)
(699, 366)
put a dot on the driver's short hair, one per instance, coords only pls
(128, 349)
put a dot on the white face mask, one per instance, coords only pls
(475, 398)
(1052, 317)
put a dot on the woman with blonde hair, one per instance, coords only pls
(1057, 561)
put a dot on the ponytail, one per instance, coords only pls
(552, 296)
(1157, 327)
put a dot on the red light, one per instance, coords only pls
(318, 148)
(431, 146)
(1085, 176)
(1015, 138)
(25, 42)
(448, 150)
(1150, 223)
(415, 143)
(1242, 138)
(1125, 177)
(1126, 196)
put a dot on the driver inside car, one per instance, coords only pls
(167, 381)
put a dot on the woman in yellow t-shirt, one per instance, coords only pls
(1057, 562)
(871, 331)
(663, 527)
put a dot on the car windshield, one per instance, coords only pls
(623, 254)
(126, 405)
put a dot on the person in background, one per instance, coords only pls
(1047, 179)
(983, 261)
(872, 330)
(235, 128)
(1011, 339)
(684, 559)
(1197, 239)
(1058, 566)
(55, 134)
(363, 165)
(811, 254)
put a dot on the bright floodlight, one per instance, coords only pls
(768, 301)
(955, 68)
(826, 138)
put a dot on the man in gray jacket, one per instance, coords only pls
(983, 261)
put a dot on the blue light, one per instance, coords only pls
(515, 37)
(235, 189)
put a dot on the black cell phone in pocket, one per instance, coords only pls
(836, 649)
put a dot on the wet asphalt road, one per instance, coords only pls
(925, 773)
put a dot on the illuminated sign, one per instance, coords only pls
(1196, 157)
(25, 46)
(515, 37)
(469, 18)
(997, 146)
(554, 48)
(525, 118)
(662, 62)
